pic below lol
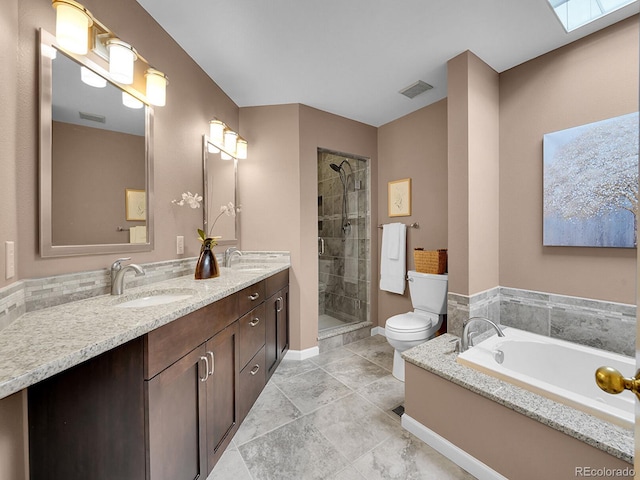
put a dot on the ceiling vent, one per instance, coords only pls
(415, 89)
(93, 117)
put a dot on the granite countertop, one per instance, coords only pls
(42, 343)
(437, 356)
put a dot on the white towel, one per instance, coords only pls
(393, 270)
(138, 234)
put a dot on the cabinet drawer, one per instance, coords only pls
(250, 297)
(252, 334)
(252, 380)
(276, 282)
(167, 344)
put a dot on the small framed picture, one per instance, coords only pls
(135, 205)
(399, 198)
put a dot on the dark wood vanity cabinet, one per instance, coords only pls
(166, 405)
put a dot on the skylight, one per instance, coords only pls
(576, 13)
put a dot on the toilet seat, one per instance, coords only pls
(410, 322)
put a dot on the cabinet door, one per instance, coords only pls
(177, 419)
(271, 334)
(282, 312)
(222, 388)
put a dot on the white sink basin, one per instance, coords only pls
(153, 300)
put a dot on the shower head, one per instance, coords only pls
(338, 168)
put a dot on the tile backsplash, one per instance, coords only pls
(38, 293)
(606, 325)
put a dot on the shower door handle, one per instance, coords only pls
(321, 251)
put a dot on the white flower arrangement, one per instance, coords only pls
(229, 210)
(191, 199)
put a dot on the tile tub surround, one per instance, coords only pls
(606, 325)
(347, 431)
(42, 343)
(437, 356)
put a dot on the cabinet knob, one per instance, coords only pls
(280, 302)
(255, 296)
(206, 369)
(254, 322)
(255, 369)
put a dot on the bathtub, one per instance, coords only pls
(559, 370)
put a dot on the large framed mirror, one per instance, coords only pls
(96, 158)
(220, 188)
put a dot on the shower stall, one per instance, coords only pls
(344, 239)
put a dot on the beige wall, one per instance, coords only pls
(8, 153)
(413, 146)
(592, 79)
(473, 94)
(278, 184)
(192, 100)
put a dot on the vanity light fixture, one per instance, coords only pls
(121, 59)
(72, 26)
(156, 87)
(78, 32)
(131, 101)
(91, 78)
(225, 141)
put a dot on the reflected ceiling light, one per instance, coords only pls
(241, 149)
(91, 78)
(216, 132)
(130, 101)
(72, 26)
(156, 87)
(121, 59)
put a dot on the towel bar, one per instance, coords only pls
(412, 225)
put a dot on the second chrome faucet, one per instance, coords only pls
(117, 274)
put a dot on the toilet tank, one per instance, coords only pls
(428, 291)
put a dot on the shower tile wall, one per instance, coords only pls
(345, 265)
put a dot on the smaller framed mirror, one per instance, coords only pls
(220, 189)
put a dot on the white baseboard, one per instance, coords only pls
(302, 354)
(458, 456)
(378, 331)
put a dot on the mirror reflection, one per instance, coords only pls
(94, 161)
(220, 189)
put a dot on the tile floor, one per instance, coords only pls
(329, 417)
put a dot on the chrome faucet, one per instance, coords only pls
(117, 274)
(464, 341)
(228, 255)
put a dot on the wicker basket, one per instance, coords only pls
(430, 261)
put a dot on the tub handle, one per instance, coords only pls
(611, 381)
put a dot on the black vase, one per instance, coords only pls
(207, 266)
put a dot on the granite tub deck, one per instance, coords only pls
(42, 343)
(438, 357)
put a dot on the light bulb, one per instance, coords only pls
(72, 26)
(216, 132)
(241, 149)
(121, 58)
(156, 87)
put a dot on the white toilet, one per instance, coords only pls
(406, 330)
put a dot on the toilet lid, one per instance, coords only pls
(409, 322)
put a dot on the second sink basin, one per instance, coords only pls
(153, 300)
